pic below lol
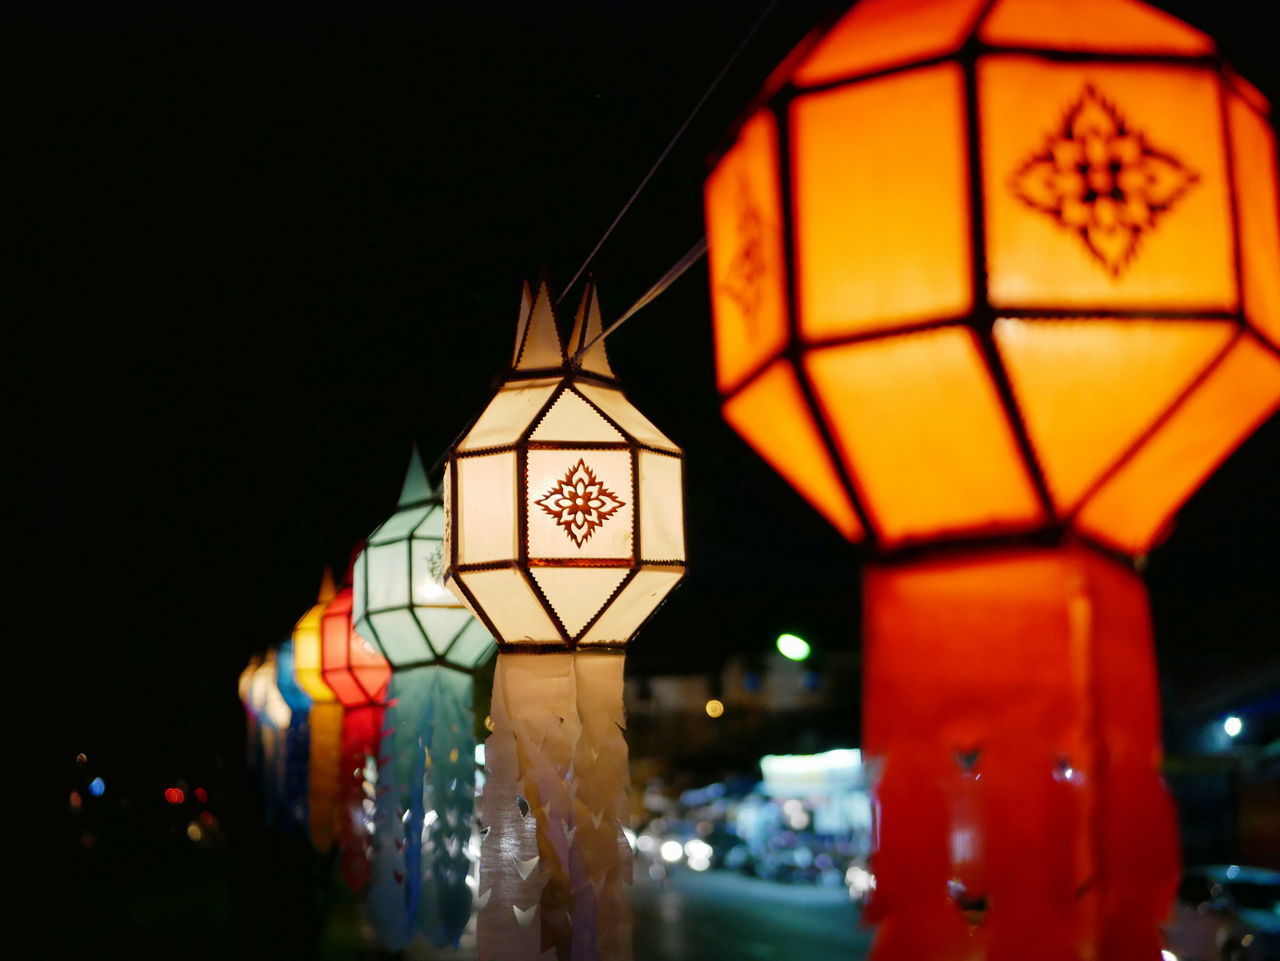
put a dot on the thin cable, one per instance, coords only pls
(653, 293)
(663, 156)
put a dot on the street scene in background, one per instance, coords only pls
(652, 482)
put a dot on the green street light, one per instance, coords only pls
(792, 647)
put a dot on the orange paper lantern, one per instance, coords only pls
(986, 269)
(1003, 275)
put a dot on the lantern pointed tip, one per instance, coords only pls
(537, 337)
(327, 588)
(416, 487)
(587, 330)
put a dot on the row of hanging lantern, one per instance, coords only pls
(361, 730)
(999, 339)
(560, 531)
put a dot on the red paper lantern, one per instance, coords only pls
(358, 675)
(353, 668)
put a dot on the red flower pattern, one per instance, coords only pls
(580, 503)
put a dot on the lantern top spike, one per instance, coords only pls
(587, 329)
(417, 488)
(538, 344)
(327, 588)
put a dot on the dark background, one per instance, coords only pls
(265, 247)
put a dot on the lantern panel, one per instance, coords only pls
(1089, 389)
(344, 684)
(398, 526)
(1094, 25)
(615, 406)
(634, 603)
(746, 261)
(371, 670)
(442, 624)
(427, 564)
(882, 225)
(1132, 509)
(1145, 226)
(571, 418)
(580, 504)
(922, 430)
(432, 524)
(388, 574)
(773, 417)
(884, 33)
(1254, 153)
(472, 647)
(400, 638)
(577, 594)
(516, 613)
(486, 528)
(335, 633)
(509, 414)
(661, 516)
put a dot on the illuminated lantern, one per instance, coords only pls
(273, 719)
(324, 774)
(252, 740)
(297, 741)
(564, 532)
(1003, 277)
(358, 674)
(423, 849)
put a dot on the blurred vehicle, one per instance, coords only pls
(727, 849)
(1226, 913)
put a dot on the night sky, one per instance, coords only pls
(265, 247)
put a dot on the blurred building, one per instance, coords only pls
(767, 705)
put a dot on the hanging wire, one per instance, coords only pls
(676, 270)
(663, 156)
(653, 293)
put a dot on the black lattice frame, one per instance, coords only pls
(434, 500)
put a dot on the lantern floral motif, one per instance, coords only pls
(357, 673)
(564, 532)
(324, 722)
(422, 843)
(1003, 276)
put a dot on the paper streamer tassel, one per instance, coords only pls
(361, 733)
(325, 774)
(426, 787)
(554, 860)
